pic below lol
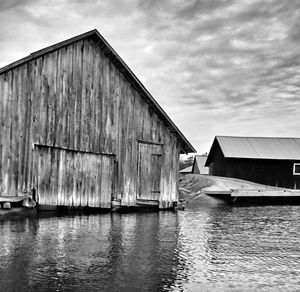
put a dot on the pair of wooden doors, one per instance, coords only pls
(74, 178)
(149, 171)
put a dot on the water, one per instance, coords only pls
(214, 247)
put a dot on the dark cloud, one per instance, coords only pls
(13, 4)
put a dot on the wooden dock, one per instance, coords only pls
(258, 196)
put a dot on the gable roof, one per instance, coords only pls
(119, 63)
(200, 160)
(257, 147)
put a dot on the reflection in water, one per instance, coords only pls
(126, 252)
(210, 248)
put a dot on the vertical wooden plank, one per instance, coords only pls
(33, 123)
(93, 183)
(132, 148)
(98, 194)
(111, 181)
(71, 98)
(106, 182)
(88, 176)
(121, 138)
(37, 177)
(70, 176)
(129, 179)
(2, 97)
(44, 175)
(62, 96)
(67, 96)
(5, 136)
(48, 98)
(27, 130)
(55, 104)
(56, 176)
(77, 83)
(83, 181)
(84, 97)
(115, 95)
(13, 136)
(6, 120)
(96, 100)
(77, 198)
(90, 96)
(36, 97)
(105, 121)
(61, 170)
(93, 97)
(20, 131)
(74, 181)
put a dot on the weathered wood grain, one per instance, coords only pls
(59, 170)
(76, 98)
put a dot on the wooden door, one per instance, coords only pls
(73, 178)
(149, 171)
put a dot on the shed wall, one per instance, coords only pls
(76, 98)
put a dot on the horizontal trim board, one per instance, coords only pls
(147, 202)
(149, 142)
(73, 150)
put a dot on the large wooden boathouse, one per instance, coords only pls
(79, 129)
(265, 160)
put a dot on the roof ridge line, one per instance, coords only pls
(257, 137)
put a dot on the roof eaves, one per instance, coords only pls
(264, 158)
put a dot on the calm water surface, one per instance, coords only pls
(209, 247)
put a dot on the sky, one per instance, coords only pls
(217, 67)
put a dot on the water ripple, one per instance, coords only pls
(210, 248)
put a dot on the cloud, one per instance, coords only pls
(217, 67)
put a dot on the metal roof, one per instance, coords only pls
(260, 147)
(117, 60)
(201, 160)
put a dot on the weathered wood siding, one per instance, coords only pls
(72, 178)
(149, 171)
(76, 98)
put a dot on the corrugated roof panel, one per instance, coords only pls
(260, 147)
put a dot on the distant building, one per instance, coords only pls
(199, 165)
(269, 161)
(186, 170)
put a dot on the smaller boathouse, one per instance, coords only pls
(264, 160)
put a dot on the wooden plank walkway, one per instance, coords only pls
(264, 193)
(257, 196)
